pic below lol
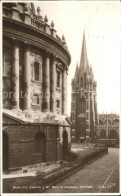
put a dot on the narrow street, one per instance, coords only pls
(101, 176)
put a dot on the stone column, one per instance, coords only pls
(15, 76)
(64, 91)
(26, 78)
(46, 106)
(53, 85)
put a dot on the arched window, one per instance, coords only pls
(100, 122)
(36, 71)
(40, 144)
(107, 121)
(113, 134)
(83, 106)
(116, 122)
(81, 82)
(102, 134)
(58, 104)
(58, 79)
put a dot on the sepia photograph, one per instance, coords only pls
(60, 89)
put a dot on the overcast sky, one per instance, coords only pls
(101, 21)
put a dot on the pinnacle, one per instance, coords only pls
(84, 59)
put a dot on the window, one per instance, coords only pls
(73, 116)
(87, 115)
(81, 82)
(36, 71)
(58, 104)
(58, 79)
(73, 106)
(87, 104)
(35, 100)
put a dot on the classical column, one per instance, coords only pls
(64, 91)
(26, 78)
(15, 76)
(53, 85)
(46, 106)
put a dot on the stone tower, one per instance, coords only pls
(84, 107)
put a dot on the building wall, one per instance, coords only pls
(21, 143)
(108, 129)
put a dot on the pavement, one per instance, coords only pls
(101, 176)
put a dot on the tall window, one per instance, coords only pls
(36, 71)
(58, 79)
(87, 104)
(58, 104)
(81, 82)
(87, 115)
(73, 106)
(82, 105)
(73, 116)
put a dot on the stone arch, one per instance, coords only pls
(102, 134)
(65, 143)
(40, 145)
(5, 151)
(116, 121)
(109, 121)
(100, 122)
(113, 134)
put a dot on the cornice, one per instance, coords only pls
(35, 37)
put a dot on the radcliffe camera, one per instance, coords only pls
(60, 115)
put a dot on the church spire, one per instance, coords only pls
(84, 59)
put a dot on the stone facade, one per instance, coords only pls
(84, 106)
(108, 129)
(35, 65)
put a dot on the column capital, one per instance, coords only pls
(15, 42)
(47, 53)
(53, 56)
(27, 45)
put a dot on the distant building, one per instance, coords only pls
(83, 105)
(108, 129)
(35, 66)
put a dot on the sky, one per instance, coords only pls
(101, 22)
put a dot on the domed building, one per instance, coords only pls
(35, 66)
